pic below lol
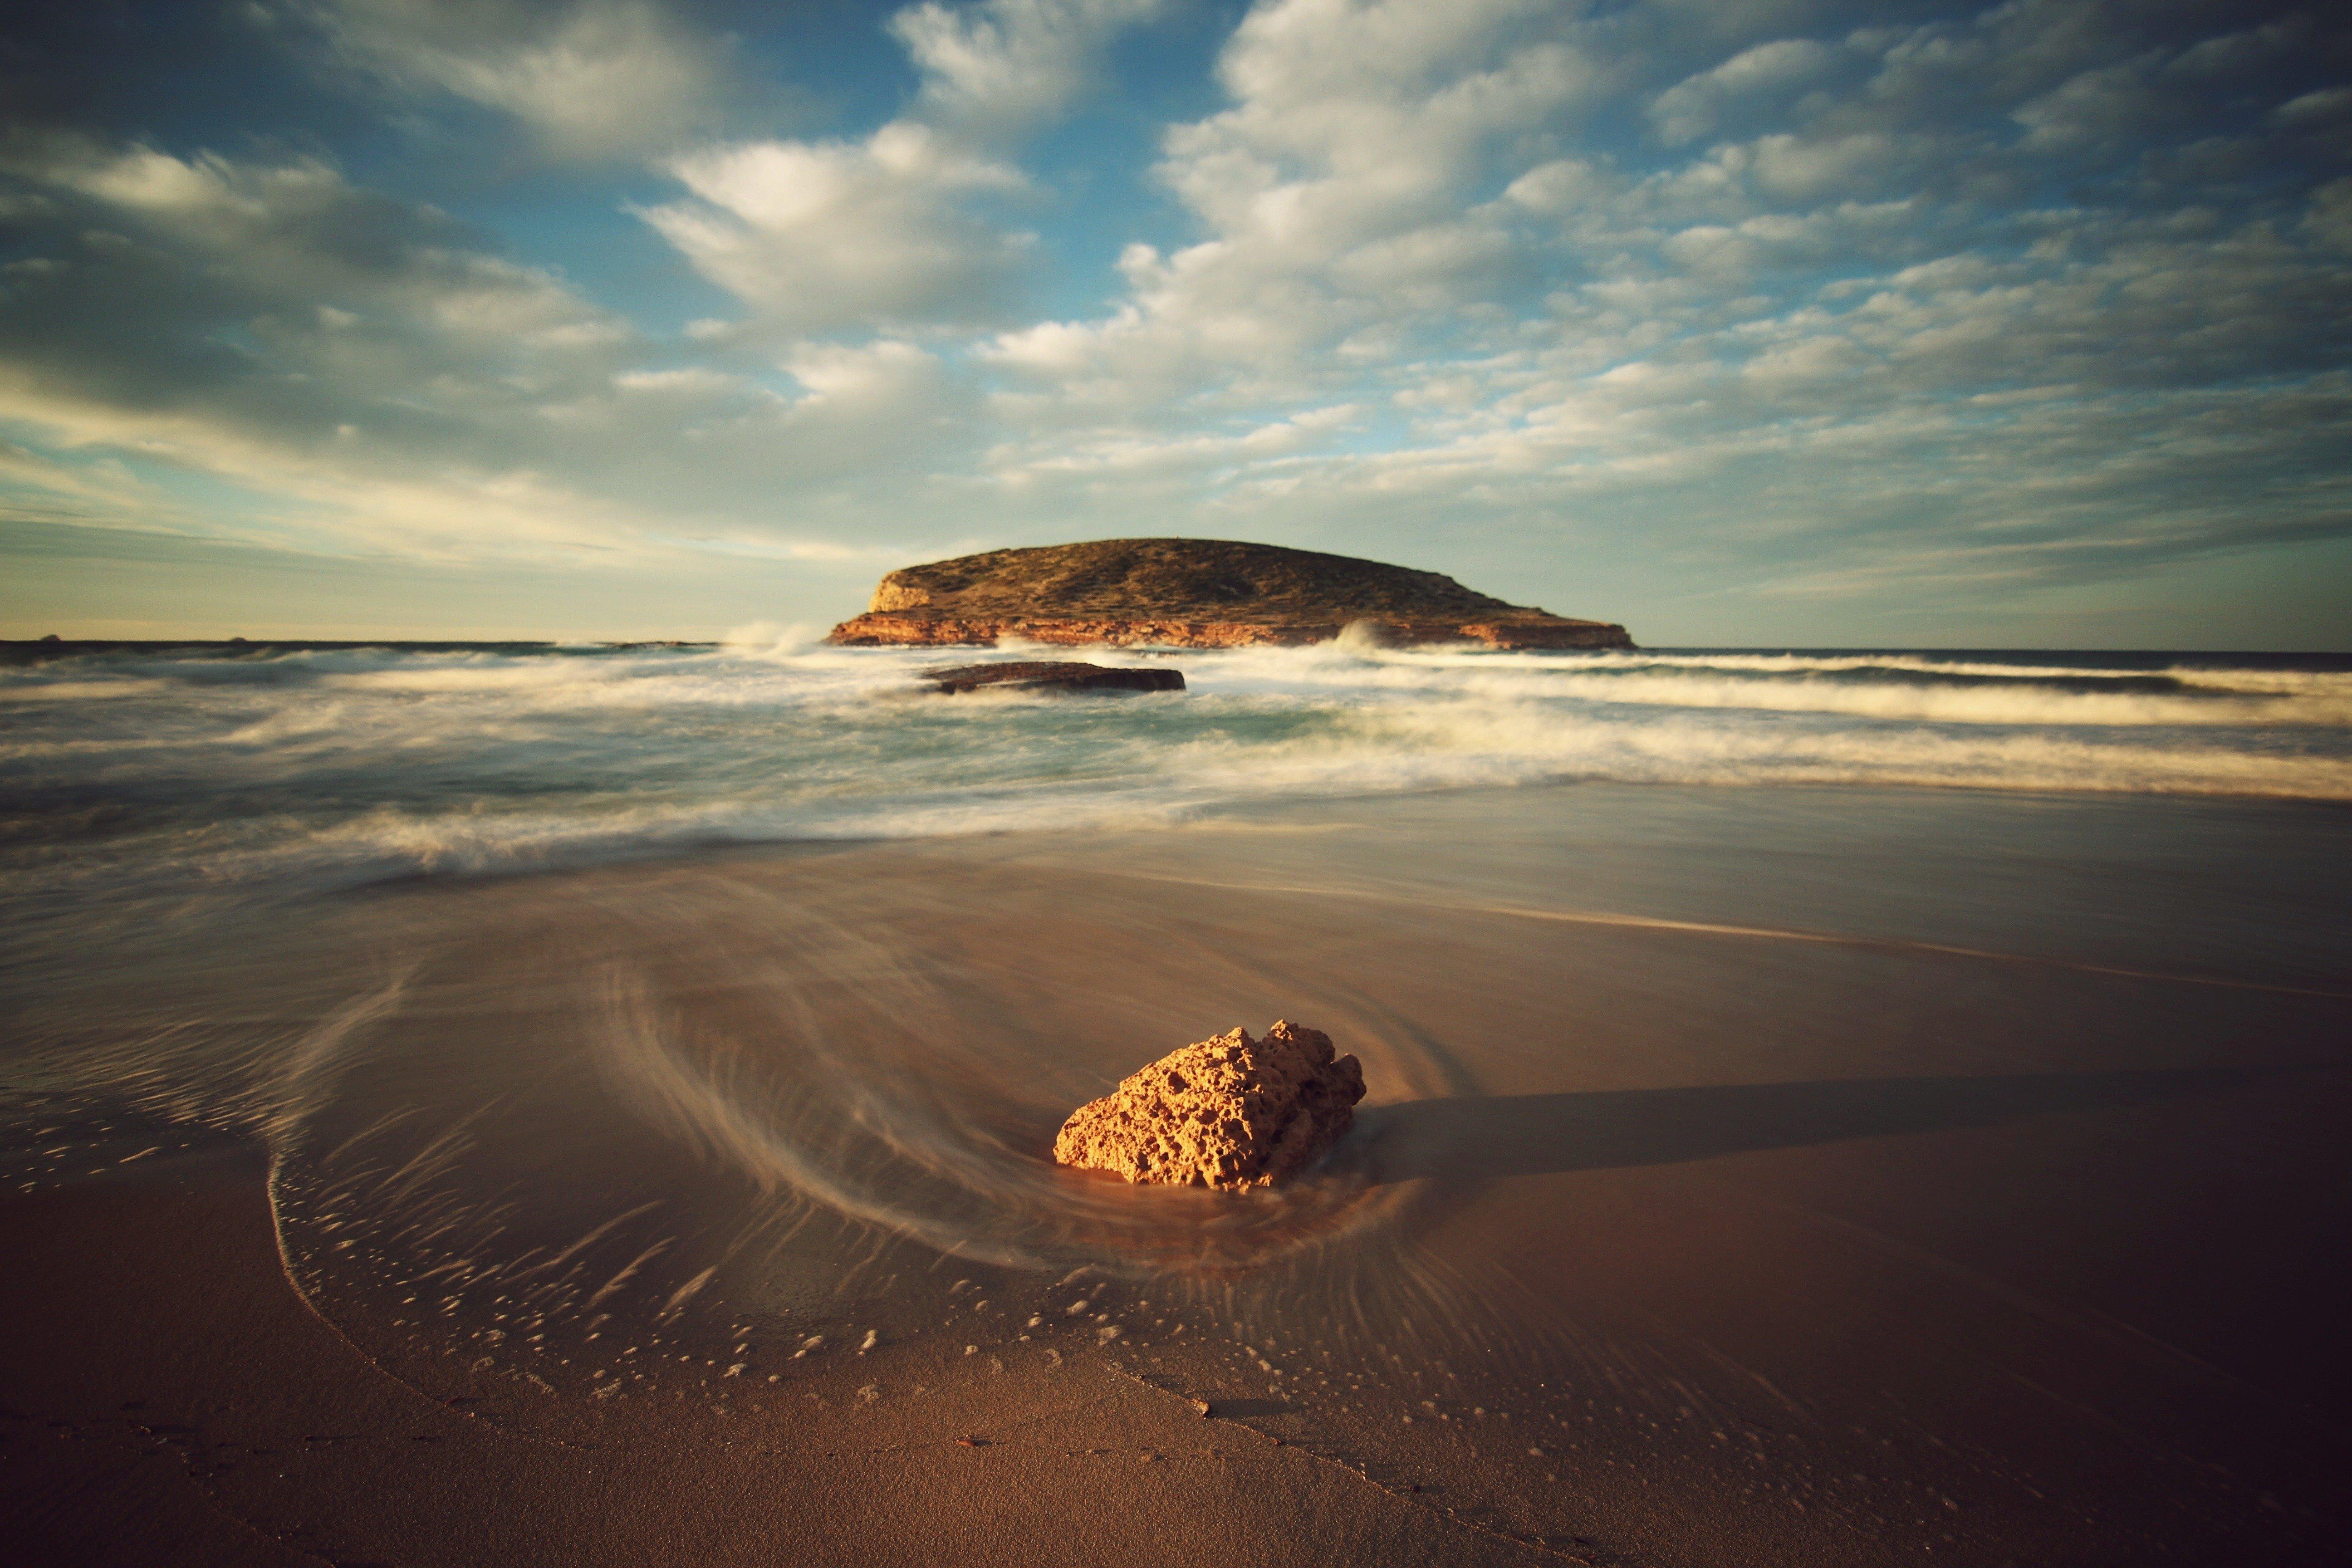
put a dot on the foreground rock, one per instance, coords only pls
(1231, 1112)
(1194, 593)
(1062, 677)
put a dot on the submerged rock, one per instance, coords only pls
(1054, 677)
(1230, 1113)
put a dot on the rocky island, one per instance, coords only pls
(1194, 593)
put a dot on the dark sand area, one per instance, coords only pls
(172, 1400)
(1801, 1176)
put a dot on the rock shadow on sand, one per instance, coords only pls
(1486, 1137)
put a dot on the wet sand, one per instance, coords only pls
(1827, 1176)
(171, 1399)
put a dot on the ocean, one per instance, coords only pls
(1828, 1105)
(207, 769)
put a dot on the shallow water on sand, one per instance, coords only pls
(1789, 1175)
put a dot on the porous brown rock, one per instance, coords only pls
(1060, 675)
(1194, 593)
(1230, 1113)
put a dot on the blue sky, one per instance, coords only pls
(1741, 323)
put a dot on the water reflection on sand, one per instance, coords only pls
(1853, 1172)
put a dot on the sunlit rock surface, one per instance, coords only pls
(1229, 1113)
(1194, 593)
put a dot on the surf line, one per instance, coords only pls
(1891, 945)
(1767, 933)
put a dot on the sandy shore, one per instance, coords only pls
(1852, 1187)
(169, 1398)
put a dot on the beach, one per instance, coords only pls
(551, 1108)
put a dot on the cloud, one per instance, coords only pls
(1330, 192)
(1139, 460)
(1693, 107)
(1752, 303)
(1854, 293)
(376, 378)
(1004, 67)
(2319, 108)
(909, 224)
(178, 279)
(2109, 102)
(820, 235)
(2329, 217)
(592, 78)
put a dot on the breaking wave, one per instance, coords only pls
(344, 766)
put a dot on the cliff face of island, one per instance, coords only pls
(1193, 593)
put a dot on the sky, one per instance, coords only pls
(1742, 323)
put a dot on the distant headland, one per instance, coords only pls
(1194, 593)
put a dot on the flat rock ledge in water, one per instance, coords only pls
(1230, 1113)
(1054, 677)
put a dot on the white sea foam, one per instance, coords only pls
(363, 762)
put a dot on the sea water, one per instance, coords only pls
(207, 769)
(1805, 1088)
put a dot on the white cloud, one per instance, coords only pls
(2111, 101)
(592, 78)
(2329, 216)
(692, 382)
(1809, 169)
(820, 235)
(907, 225)
(380, 384)
(886, 373)
(1850, 290)
(1106, 461)
(1556, 186)
(1331, 191)
(1692, 107)
(2026, 295)
(267, 231)
(2316, 107)
(1006, 66)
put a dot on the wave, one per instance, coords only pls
(358, 763)
(1901, 688)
